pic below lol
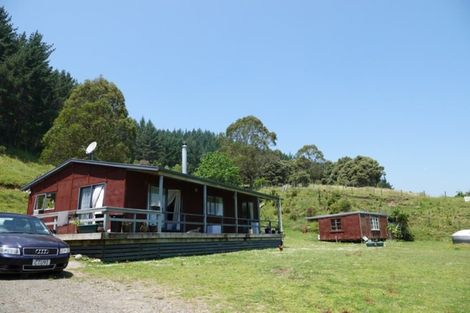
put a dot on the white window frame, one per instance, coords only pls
(215, 206)
(374, 223)
(45, 195)
(335, 224)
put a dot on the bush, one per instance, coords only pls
(3, 150)
(398, 226)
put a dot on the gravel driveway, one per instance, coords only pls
(74, 292)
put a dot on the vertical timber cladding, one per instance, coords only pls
(367, 228)
(67, 183)
(353, 227)
(109, 250)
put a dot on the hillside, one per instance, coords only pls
(15, 173)
(431, 218)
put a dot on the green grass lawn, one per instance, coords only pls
(312, 276)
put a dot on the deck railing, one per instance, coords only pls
(112, 219)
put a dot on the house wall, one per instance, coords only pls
(67, 183)
(369, 233)
(353, 228)
(192, 198)
(129, 189)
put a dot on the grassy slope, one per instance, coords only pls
(431, 218)
(312, 276)
(15, 173)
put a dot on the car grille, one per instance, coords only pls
(40, 251)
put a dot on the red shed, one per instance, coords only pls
(351, 226)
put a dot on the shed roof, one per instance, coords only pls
(153, 170)
(317, 217)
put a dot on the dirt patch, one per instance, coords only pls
(74, 291)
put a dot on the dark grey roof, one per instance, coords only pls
(155, 170)
(317, 217)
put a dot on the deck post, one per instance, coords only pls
(106, 221)
(279, 216)
(205, 208)
(160, 197)
(235, 200)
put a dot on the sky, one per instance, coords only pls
(385, 79)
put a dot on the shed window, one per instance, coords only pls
(215, 206)
(336, 224)
(45, 201)
(91, 197)
(374, 223)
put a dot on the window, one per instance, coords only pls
(91, 197)
(44, 201)
(248, 210)
(153, 199)
(336, 224)
(374, 223)
(215, 206)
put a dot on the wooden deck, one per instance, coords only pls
(111, 247)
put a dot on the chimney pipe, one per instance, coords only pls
(184, 159)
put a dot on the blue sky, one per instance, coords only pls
(386, 79)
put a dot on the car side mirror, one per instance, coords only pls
(53, 231)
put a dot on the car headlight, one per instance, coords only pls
(64, 250)
(8, 250)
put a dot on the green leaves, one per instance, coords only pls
(217, 166)
(31, 92)
(251, 131)
(95, 111)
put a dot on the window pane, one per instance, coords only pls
(85, 198)
(50, 201)
(97, 197)
(39, 202)
(215, 206)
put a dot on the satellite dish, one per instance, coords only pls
(91, 147)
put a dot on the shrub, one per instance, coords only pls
(398, 226)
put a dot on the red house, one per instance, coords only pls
(351, 226)
(115, 199)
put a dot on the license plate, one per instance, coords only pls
(41, 262)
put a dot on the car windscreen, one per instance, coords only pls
(19, 224)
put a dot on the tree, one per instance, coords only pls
(217, 166)
(95, 111)
(251, 131)
(308, 166)
(310, 152)
(247, 141)
(31, 92)
(276, 169)
(359, 172)
(146, 142)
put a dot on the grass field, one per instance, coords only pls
(431, 218)
(312, 276)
